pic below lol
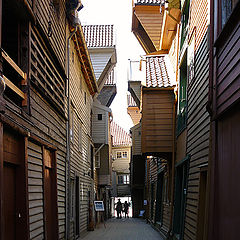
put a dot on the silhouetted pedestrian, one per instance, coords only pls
(119, 209)
(126, 208)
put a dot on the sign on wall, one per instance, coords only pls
(99, 206)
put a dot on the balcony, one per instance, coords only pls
(15, 79)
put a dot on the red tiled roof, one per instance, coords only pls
(148, 2)
(130, 101)
(159, 73)
(99, 35)
(120, 136)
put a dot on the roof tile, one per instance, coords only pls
(158, 72)
(120, 136)
(99, 35)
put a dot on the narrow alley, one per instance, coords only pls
(123, 229)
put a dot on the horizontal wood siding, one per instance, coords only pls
(57, 15)
(99, 61)
(228, 74)
(80, 157)
(157, 120)
(151, 20)
(197, 134)
(135, 114)
(99, 126)
(35, 190)
(52, 127)
(136, 140)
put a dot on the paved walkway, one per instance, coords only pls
(124, 229)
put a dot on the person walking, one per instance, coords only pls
(119, 209)
(126, 208)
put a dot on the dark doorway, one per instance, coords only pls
(152, 199)
(180, 199)
(159, 197)
(201, 226)
(50, 195)
(77, 202)
(15, 214)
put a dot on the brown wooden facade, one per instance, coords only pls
(34, 116)
(224, 110)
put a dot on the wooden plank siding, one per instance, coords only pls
(35, 190)
(228, 76)
(46, 11)
(136, 139)
(81, 141)
(198, 121)
(157, 121)
(151, 20)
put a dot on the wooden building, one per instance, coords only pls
(33, 120)
(83, 87)
(158, 28)
(121, 152)
(224, 96)
(101, 44)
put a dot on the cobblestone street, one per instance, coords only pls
(124, 229)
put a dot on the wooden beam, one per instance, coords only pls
(14, 65)
(14, 88)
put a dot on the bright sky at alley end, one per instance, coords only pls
(118, 13)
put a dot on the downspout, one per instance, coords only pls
(173, 148)
(68, 143)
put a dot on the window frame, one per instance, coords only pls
(117, 153)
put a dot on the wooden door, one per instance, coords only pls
(50, 196)
(9, 201)
(14, 200)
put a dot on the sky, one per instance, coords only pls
(118, 13)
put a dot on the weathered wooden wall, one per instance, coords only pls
(228, 76)
(81, 102)
(157, 121)
(198, 121)
(136, 140)
(56, 13)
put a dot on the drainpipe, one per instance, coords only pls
(68, 143)
(173, 149)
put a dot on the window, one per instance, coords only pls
(124, 154)
(182, 103)
(119, 155)
(85, 97)
(123, 179)
(227, 8)
(184, 22)
(99, 117)
(98, 160)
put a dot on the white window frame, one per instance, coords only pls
(119, 155)
(124, 154)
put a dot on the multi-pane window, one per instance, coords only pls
(119, 154)
(182, 104)
(227, 8)
(123, 179)
(184, 22)
(124, 154)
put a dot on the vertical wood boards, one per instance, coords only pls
(157, 120)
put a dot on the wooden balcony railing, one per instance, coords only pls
(9, 83)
